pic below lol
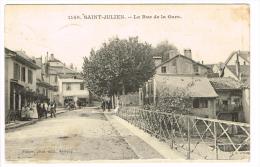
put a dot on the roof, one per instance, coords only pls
(179, 55)
(194, 86)
(43, 83)
(22, 58)
(244, 70)
(61, 70)
(225, 83)
(64, 76)
(71, 80)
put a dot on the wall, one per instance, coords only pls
(52, 80)
(8, 76)
(75, 91)
(25, 84)
(246, 104)
(228, 73)
(130, 99)
(181, 65)
(209, 112)
(228, 95)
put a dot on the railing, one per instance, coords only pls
(196, 137)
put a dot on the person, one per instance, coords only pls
(109, 105)
(103, 105)
(34, 111)
(38, 108)
(45, 109)
(53, 109)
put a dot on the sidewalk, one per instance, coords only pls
(144, 145)
(18, 124)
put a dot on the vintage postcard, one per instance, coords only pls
(126, 83)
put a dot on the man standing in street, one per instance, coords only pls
(53, 109)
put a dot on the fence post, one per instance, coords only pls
(172, 132)
(188, 136)
(216, 141)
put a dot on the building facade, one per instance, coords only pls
(229, 101)
(20, 81)
(72, 90)
(180, 72)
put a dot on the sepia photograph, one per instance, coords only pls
(126, 83)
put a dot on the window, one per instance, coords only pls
(16, 71)
(23, 74)
(174, 62)
(196, 68)
(225, 102)
(200, 103)
(203, 103)
(30, 76)
(163, 69)
(56, 79)
(82, 86)
(68, 86)
(196, 103)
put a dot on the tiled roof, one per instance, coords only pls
(225, 83)
(194, 86)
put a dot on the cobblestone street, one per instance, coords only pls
(79, 135)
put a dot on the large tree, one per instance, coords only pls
(162, 48)
(119, 66)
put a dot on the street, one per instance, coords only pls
(78, 135)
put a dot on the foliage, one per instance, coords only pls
(177, 101)
(161, 50)
(120, 65)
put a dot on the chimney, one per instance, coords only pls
(238, 68)
(202, 62)
(187, 53)
(52, 57)
(157, 60)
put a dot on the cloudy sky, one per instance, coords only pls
(212, 32)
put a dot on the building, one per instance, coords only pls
(53, 70)
(180, 64)
(237, 66)
(180, 72)
(20, 81)
(44, 89)
(229, 101)
(198, 88)
(72, 90)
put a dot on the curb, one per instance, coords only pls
(160, 147)
(30, 122)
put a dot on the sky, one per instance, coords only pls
(212, 32)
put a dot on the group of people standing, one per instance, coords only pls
(44, 108)
(38, 110)
(106, 104)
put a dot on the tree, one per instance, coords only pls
(119, 66)
(161, 50)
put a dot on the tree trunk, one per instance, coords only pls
(90, 99)
(114, 104)
(123, 89)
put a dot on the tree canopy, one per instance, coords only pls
(161, 50)
(120, 65)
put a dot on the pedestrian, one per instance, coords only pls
(103, 105)
(38, 108)
(45, 109)
(34, 111)
(52, 109)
